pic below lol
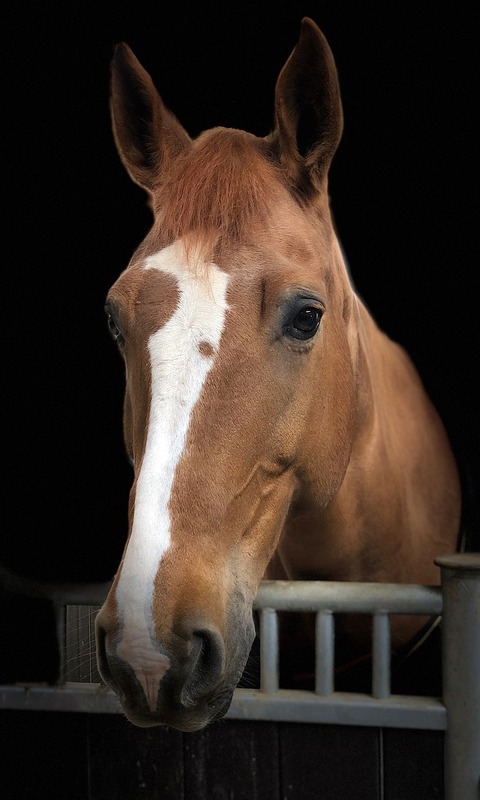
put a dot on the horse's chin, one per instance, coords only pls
(186, 720)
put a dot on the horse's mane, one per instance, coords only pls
(216, 190)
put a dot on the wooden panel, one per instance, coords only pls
(104, 757)
(232, 760)
(413, 764)
(131, 763)
(44, 756)
(330, 762)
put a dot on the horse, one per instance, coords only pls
(275, 431)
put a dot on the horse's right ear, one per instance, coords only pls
(147, 134)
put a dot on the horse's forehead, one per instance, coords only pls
(286, 250)
(149, 292)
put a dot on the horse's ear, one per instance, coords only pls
(147, 134)
(308, 110)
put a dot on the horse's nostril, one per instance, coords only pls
(207, 664)
(204, 650)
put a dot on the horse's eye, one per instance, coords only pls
(114, 330)
(305, 323)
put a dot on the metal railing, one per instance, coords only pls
(457, 712)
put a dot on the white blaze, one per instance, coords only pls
(178, 372)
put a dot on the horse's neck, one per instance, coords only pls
(398, 506)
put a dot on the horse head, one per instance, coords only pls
(238, 328)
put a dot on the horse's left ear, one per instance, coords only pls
(308, 111)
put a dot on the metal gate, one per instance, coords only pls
(457, 713)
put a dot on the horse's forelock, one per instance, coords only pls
(215, 192)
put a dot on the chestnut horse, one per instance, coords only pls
(274, 430)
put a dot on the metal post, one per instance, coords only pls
(381, 656)
(461, 673)
(324, 653)
(268, 650)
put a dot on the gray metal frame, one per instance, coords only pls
(457, 712)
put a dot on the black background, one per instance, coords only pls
(404, 193)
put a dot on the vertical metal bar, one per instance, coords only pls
(268, 650)
(381, 655)
(461, 673)
(324, 653)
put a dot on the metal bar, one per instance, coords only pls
(340, 708)
(284, 596)
(88, 698)
(324, 653)
(346, 597)
(423, 713)
(461, 673)
(268, 650)
(381, 655)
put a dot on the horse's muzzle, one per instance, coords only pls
(183, 686)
